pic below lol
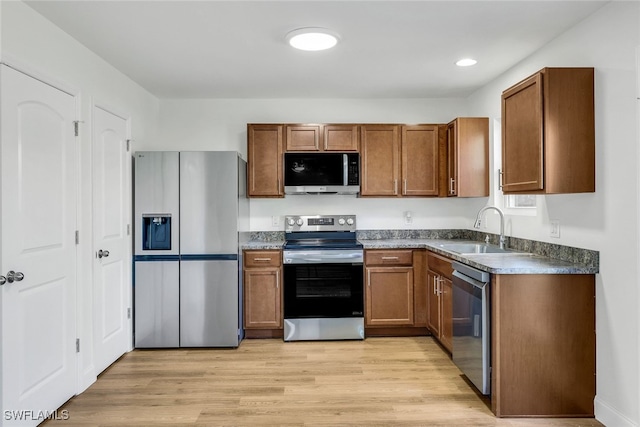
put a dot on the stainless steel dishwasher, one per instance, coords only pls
(471, 325)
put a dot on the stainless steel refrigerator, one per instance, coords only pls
(191, 212)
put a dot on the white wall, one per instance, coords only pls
(33, 44)
(606, 220)
(221, 125)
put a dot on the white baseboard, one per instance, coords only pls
(610, 417)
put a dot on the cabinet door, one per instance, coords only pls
(433, 304)
(303, 137)
(340, 138)
(265, 161)
(379, 165)
(446, 299)
(522, 136)
(452, 159)
(262, 299)
(389, 296)
(419, 147)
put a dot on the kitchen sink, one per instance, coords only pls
(473, 248)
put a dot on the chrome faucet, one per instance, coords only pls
(479, 222)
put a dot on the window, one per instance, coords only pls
(525, 204)
(525, 201)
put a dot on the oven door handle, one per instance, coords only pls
(323, 257)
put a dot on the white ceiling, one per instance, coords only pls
(388, 49)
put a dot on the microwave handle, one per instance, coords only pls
(345, 169)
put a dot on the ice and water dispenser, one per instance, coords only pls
(156, 232)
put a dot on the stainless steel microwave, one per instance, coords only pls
(321, 173)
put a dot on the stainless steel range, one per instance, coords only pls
(323, 278)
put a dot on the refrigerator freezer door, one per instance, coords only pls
(157, 195)
(157, 317)
(209, 202)
(208, 303)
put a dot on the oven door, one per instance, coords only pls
(323, 284)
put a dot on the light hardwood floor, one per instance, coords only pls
(376, 382)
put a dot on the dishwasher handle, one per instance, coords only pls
(470, 280)
(474, 273)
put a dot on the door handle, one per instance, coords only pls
(3, 280)
(103, 254)
(12, 276)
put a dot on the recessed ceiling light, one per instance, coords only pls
(312, 38)
(466, 62)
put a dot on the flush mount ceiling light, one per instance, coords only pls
(466, 62)
(312, 38)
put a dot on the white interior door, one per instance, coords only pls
(38, 248)
(112, 244)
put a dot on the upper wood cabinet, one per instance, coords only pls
(399, 160)
(548, 133)
(264, 166)
(340, 138)
(303, 137)
(318, 137)
(379, 160)
(419, 148)
(467, 158)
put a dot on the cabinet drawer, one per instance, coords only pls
(439, 264)
(253, 259)
(389, 257)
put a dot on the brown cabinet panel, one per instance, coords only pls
(439, 264)
(446, 331)
(340, 138)
(262, 276)
(389, 257)
(548, 133)
(261, 259)
(468, 157)
(440, 298)
(419, 147)
(543, 345)
(264, 165)
(522, 131)
(379, 160)
(303, 137)
(433, 304)
(389, 296)
(262, 298)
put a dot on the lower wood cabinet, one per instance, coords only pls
(440, 298)
(394, 291)
(262, 274)
(543, 351)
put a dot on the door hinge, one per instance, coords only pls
(77, 345)
(129, 313)
(128, 229)
(76, 126)
(77, 237)
(128, 145)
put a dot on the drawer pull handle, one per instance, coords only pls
(390, 258)
(262, 259)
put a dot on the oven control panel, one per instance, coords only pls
(295, 223)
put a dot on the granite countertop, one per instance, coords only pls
(504, 263)
(256, 245)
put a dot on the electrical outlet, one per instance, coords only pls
(275, 221)
(408, 217)
(555, 229)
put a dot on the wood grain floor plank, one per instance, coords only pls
(375, 382)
